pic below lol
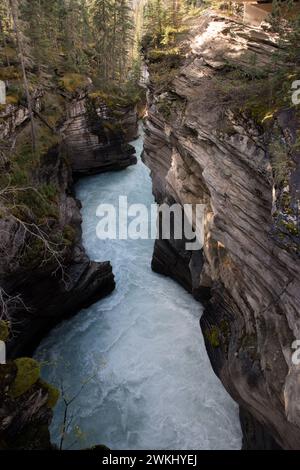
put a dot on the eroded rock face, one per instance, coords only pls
(57, 287)
(96, 141)
(200, 151)
(24, 417)
(14, 116)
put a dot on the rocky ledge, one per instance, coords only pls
(95, 140)
(202, 147)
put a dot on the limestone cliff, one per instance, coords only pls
(203, 147)
(95, 140)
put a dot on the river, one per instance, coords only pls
(136, 359)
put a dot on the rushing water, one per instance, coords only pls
(138, 354)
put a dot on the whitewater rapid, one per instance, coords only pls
(139, 352)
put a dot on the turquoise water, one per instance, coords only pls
(136, 359)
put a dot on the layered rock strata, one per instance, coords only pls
(96, 141)
(202, 149)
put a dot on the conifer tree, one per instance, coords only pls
(20, 44)
(88, 37)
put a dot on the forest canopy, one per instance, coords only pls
(79, 36)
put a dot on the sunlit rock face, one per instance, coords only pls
(95, 141)
(203, 151)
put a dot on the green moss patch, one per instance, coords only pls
(213, 336)
(72, 82)
(4, 330)
(53, 393)
(28, 373)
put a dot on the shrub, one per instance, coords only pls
(72, 82)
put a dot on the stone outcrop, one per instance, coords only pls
(12, 117)
(25, 407)
(45, 274)
(203, 149)
(95, 140)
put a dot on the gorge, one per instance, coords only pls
(132, 368)
(153, 386)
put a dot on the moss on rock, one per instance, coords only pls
(53, 393)
(213, 337)
(4, 330)
(72, 82)
(28, 373)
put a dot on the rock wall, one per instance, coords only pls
(95, 140)
(39, 286)
(56, 288)
(26, 404)
(201, 150)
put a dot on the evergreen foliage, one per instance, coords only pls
(92, 37)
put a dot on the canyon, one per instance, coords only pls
(152, 385)
(201, 146)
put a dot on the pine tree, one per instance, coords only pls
(15, 15)
(4, 29)
(124, 37)
(163, 19)
(155, 20)
(102, 14)
(88, 37)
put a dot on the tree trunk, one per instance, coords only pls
(2, 32)
(14, 11)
